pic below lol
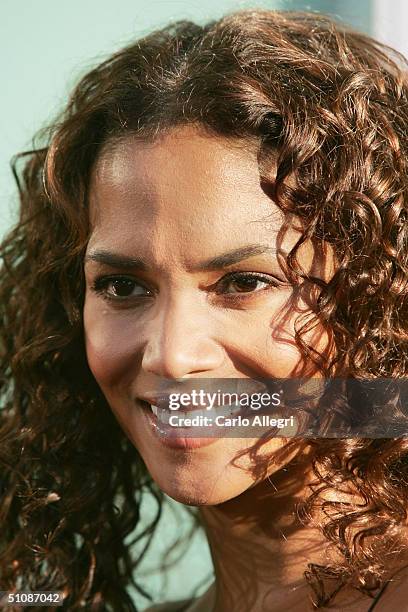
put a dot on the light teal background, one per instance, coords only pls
(45, 46)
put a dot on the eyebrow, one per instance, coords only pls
(115, 260)
(233, 257)
(224, 260)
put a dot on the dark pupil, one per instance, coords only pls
(245, 284)
(123, 287)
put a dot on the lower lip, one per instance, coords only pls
(173, 437)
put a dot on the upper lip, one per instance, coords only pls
(161, 401)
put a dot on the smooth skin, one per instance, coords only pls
(173, 308)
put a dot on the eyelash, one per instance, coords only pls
(101, 283)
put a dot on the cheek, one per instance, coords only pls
(112, 351)
(311, 332)
(272, 349)
(274, 343)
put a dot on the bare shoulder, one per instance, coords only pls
(172, 606)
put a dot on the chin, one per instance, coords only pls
(205, 487)
(196, 496)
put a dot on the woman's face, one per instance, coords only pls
(183, 281)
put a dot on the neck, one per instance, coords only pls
(259, 546)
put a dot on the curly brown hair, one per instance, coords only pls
(332, 106)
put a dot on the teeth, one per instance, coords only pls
(227, 411)
(164, 416)
(191, 414)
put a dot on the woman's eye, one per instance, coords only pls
(117, 288)
(124, 288)
(246, 283)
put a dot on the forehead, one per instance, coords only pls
(185, 197)
(186, 176)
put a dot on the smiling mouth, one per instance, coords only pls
(227, 410)
(163, 413)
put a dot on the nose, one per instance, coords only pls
(179, 342)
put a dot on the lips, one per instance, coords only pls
(226, 410)
(172, 437)
(157, 400)
(162, 402)
(159, 405)
(206, 402)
